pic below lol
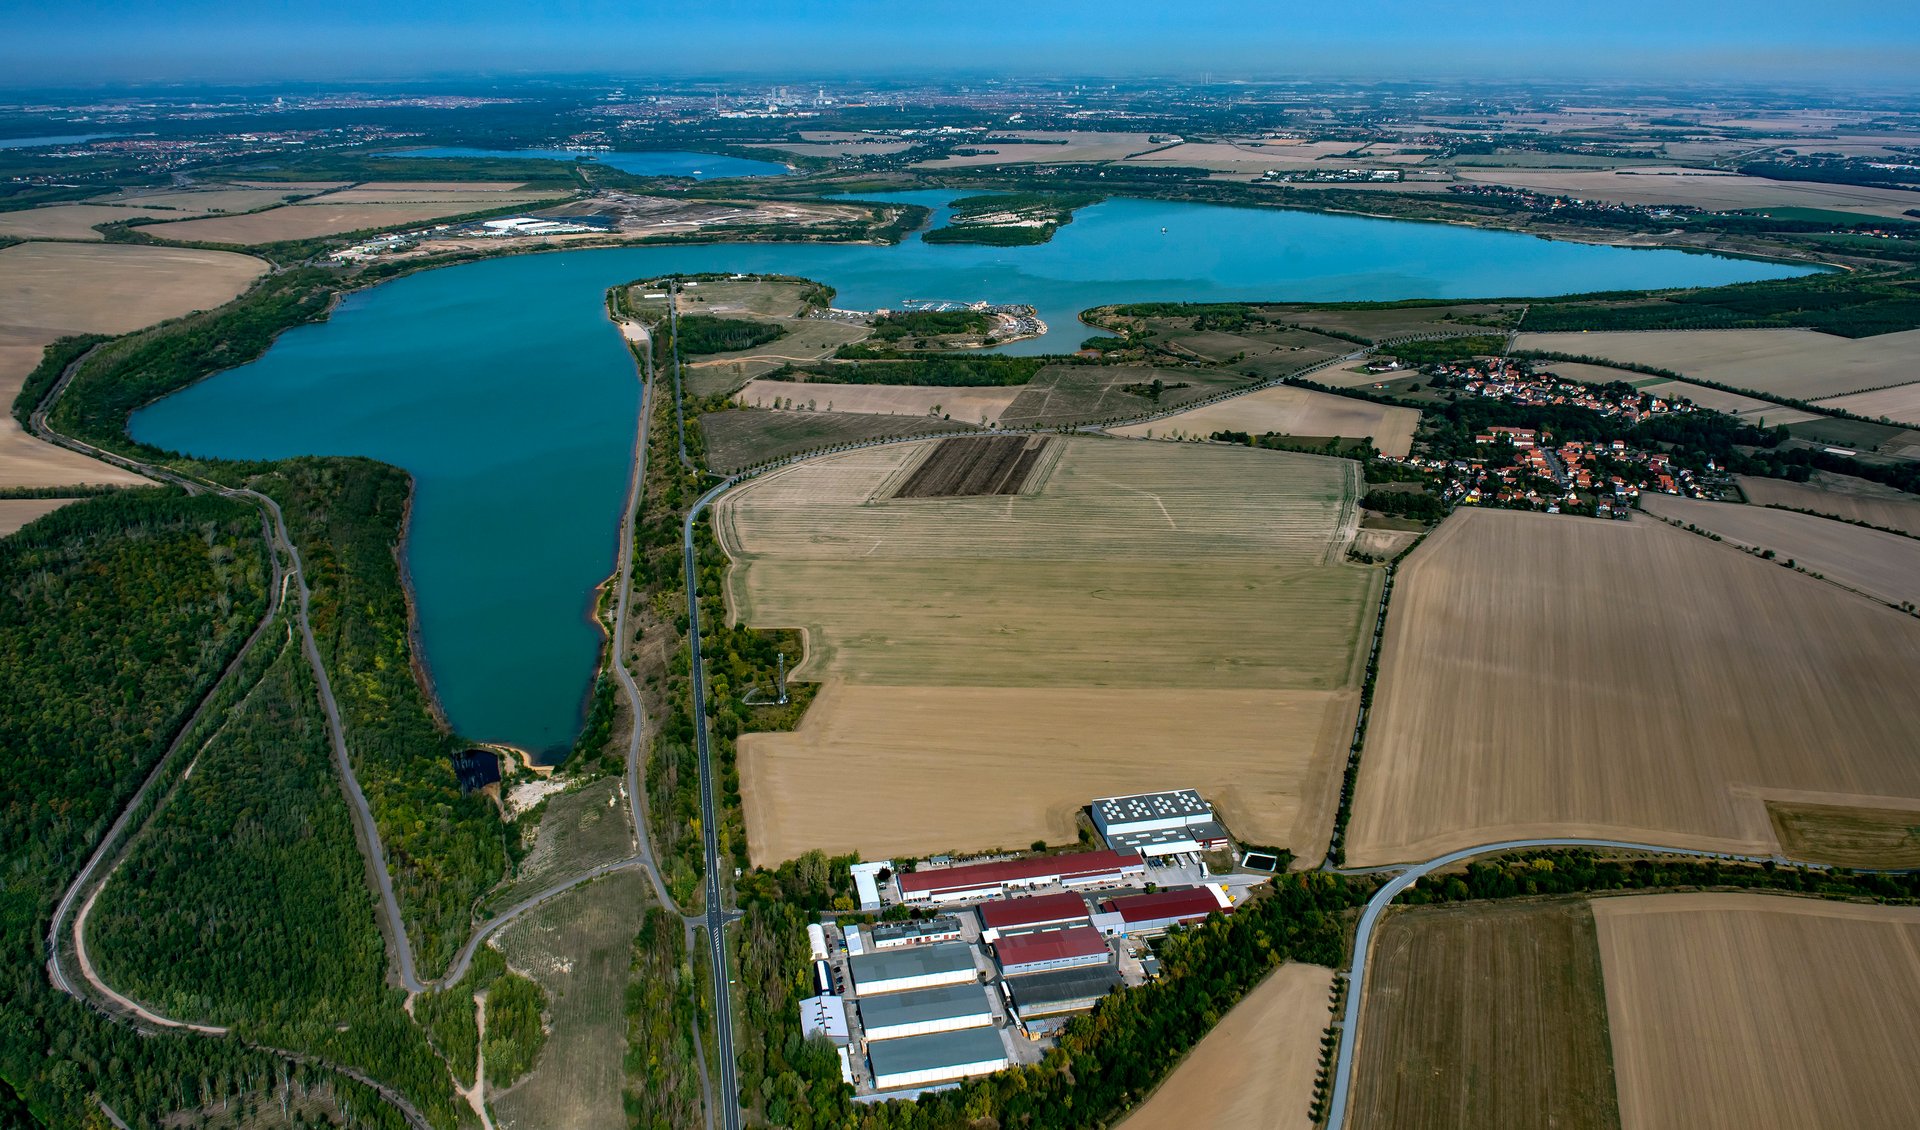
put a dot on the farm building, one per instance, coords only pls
(824, 1015)
(945, 1008)
(1170, 823)
(1061, 992)
(1070, 948)
(1041, 912)
(1146, 915)
(913, 967)
(920, 1061)
(889, 935)
(866, 882)
(993, 880)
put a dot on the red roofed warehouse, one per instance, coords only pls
(990, 880)
(1135, 915)
(1051, 949)
(1022, 916)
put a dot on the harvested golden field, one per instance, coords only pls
(1800, 364)
(1256, 1068)
(1049, 147)
(921, 770)
(1881, 565)
(469, 199)
(1761, 413)
(1731, 1011)
(66, 288)
(51, 290)
(1485, 1014)
(65, 221)
(17, 512)
(1017, 655)
(1553, 676)
(967, 405)
(200, 201)
(1848, 836)
(1290, 411)
(367, 209)
(1842, 496)
(1901, 404)
(1714, 191)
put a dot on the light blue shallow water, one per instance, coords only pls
(655, 163)
(503, 389)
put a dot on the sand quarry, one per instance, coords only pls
(1799, 364)
(1730, 1011)
(1140, 616)
(1290, 411)
(1554, 676)
(52, 290)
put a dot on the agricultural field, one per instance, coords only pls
(1841, 496)
(51, 290)
(308, 221)
(1487, 1014)
(1070, 394)
(741, 437)
(1731, 1011)
(969, 468)
(65, 221)
(1290, 411)
(1901, 403)
(1881, 565)
(1387, 321)
(1049, 147)
(17, 512)
(1799, 364)
(1886, 440)
(1848, 836)
(578, 831)
(1265, 355)
(1760, 413)
(1554, 676)
(1713, 191)
(1256, 1067)
(966, 405)
(1133, 598)
(201, 201)
(579, 948)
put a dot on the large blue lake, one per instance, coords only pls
(650, 163)
(503, 389)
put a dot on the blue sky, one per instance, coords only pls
(90, 40)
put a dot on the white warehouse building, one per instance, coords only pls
(1177, 822)
(947, 1008)
(922, 1061)
(913, 967)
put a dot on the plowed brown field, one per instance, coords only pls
(1734, 1011)
(1547, 675)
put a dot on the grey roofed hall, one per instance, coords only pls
(912, 961)
(941, 1049)
(943, 1002)
(1035, 991)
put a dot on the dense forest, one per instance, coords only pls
(928, 323)
(444, 849)
(704, 333)
(119, 613)
(245, 903)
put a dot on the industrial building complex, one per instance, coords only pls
(972, 967)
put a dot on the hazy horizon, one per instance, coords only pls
(90, 42)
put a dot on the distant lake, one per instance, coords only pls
(699, 166)
(42, 142)
(501, 386)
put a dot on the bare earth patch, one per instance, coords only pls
(1256, 1068)
(1801, 364)
(1731, 1011)
(65, 221)
(1290, 411)
(1553, 676)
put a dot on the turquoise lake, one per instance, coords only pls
(650, 163)
(504, 390)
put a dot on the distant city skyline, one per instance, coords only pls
(92, 41)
